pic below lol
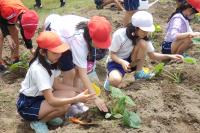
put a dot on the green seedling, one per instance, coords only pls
(22, 64)
(196, 18)
(117, 93)
(175, 76)
(196, 40)
(158, 69)
(190, 60)
(131, 119)
(157, 28)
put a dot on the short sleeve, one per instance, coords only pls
(116, 42)
(175, 25)
(150, 47)
(42, 79)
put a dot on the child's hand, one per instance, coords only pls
(84, 96)
(126, 65)
(32, 51)
(177, 57)
(101, 104)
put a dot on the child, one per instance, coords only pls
(131, 6)
(42, 97)
(179, 34)
(11, 13)
(128, 50)
(86, 37)
(101, 3)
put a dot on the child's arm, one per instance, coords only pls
(125, 64)
(161, 57)
(56, 101)
(87, 84)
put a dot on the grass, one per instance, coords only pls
(53, 6)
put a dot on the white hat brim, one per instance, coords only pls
(148, 29)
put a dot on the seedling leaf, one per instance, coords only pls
(196, 40)
(131, 119)
(158, 68)
(190, 60)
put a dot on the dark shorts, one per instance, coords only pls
(130, 5)
(66, 61)
(166, 47)
(29, 107)
(115, 66)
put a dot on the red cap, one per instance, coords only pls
(29, 23)
(51, 41)
(99, 30)
(195, 4)
(9, 14)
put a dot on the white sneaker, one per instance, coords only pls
(39, 127)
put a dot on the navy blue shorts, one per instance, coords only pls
(130, 5)
(65, 62)
(115, 66)
(166, 47)
(29, 107)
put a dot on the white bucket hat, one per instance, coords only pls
(143, 20)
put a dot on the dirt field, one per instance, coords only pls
(164, 106)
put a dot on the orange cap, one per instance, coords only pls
(99, 30)
(51, 41)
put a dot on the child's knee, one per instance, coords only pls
(142, 45)
(115, 79)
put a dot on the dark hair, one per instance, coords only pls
(130, 29)
(42, 60)
(94, 53)
(183, 6)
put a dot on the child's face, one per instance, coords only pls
(53, 57)
(141, 33)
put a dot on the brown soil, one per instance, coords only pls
(164, 106)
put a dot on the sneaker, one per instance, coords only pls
(39, 127)
(106, 85)
(2, 68)
(55, 121)
(142, 75)
(185, 55)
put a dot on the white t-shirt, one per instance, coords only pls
(65, 27)
(37, 80)
(123, 46)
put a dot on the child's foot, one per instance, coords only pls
(142, 75)
(39, 127)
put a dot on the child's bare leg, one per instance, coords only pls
(180, 46)
(14, 34)
(139, 54)
(48, 112)
(68, 77)
(115, 78)
(1, 45)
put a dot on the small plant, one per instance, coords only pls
(158, 29)
(158, 69)
(119, 110)
(175, 76)
(22, 65)
(190, 60)
(196, 18)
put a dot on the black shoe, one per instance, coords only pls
(38, 6)
(62, 4)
